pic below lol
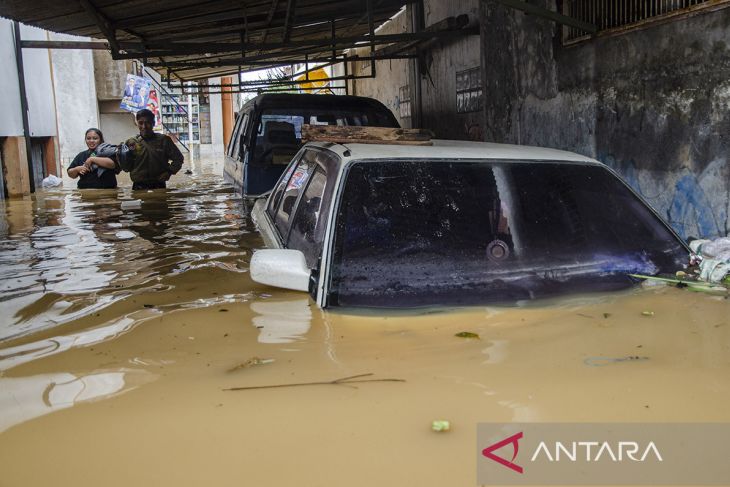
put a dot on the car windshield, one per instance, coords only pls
(358, 116)
(424, 232)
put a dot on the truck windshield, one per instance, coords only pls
(415, 233)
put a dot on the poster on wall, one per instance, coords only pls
(153, 105)
(136, 93)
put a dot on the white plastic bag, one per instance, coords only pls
(51, 181)
(715, 254)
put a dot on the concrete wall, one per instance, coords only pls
(110, 75)
(653, 103)
(41, 111)
(443, 62)
(38, 85)
(76, 107)
(438, 84)
(39, 89)
(390, 74)
(11, 123)
(117, 126)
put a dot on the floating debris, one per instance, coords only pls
(440, 426)
(606, 315)
(131, 204)
(467, 334)
(602, 361)
(252, 362)
(647, 313)
(690, 283)
(125, 235)
(343, 381)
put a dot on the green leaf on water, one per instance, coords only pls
(467, 334)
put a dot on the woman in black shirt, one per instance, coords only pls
(93, 171)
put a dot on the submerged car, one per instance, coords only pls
(454, 223)
(268, 133)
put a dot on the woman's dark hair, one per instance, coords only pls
(98, 132)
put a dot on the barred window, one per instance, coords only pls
(613, 14)
(468, 90)
(404, 101)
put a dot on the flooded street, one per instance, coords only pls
(123, 324)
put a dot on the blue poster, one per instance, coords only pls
(136, 93)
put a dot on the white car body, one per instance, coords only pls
(346, 155)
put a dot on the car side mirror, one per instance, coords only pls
(284, 268)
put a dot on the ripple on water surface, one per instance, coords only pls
(66, 254)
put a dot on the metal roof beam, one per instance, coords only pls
(215, 9)
(342, 43)
(64, 45)
(269, 18)
(184, 66)
(103, 23)
(548, 14)
(289, 21)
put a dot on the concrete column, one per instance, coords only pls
(227, 109)
(216, 120)
(15, 158)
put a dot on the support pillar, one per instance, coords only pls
(227, 110)
(15, 159)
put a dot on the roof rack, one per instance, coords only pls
(365, 135)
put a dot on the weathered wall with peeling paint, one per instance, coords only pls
(76, 108)
(654, 104)
(443, 62)
(390, 74)
(438, 84)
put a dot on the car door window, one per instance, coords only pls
(278, 191)
(233, 142)
(306, 230)
(240, 148)
(294, 186)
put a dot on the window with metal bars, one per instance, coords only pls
(615, 14)
(404, 105)
(469, 90)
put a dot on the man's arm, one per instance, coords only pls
(174, 154)
(125, 158)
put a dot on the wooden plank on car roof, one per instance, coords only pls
(365, 135)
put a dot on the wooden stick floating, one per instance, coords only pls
(342, 381)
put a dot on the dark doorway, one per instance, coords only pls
(37, 153)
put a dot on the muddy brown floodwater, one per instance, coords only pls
(122, 328)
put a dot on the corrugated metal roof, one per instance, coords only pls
(197, 39)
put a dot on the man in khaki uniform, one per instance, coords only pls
(149, 167)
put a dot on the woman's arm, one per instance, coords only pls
(77, 167)
(104, 162)
(77, 171)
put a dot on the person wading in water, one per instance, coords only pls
(155, 157)
(93, 171)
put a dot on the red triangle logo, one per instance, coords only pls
(514, 440)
